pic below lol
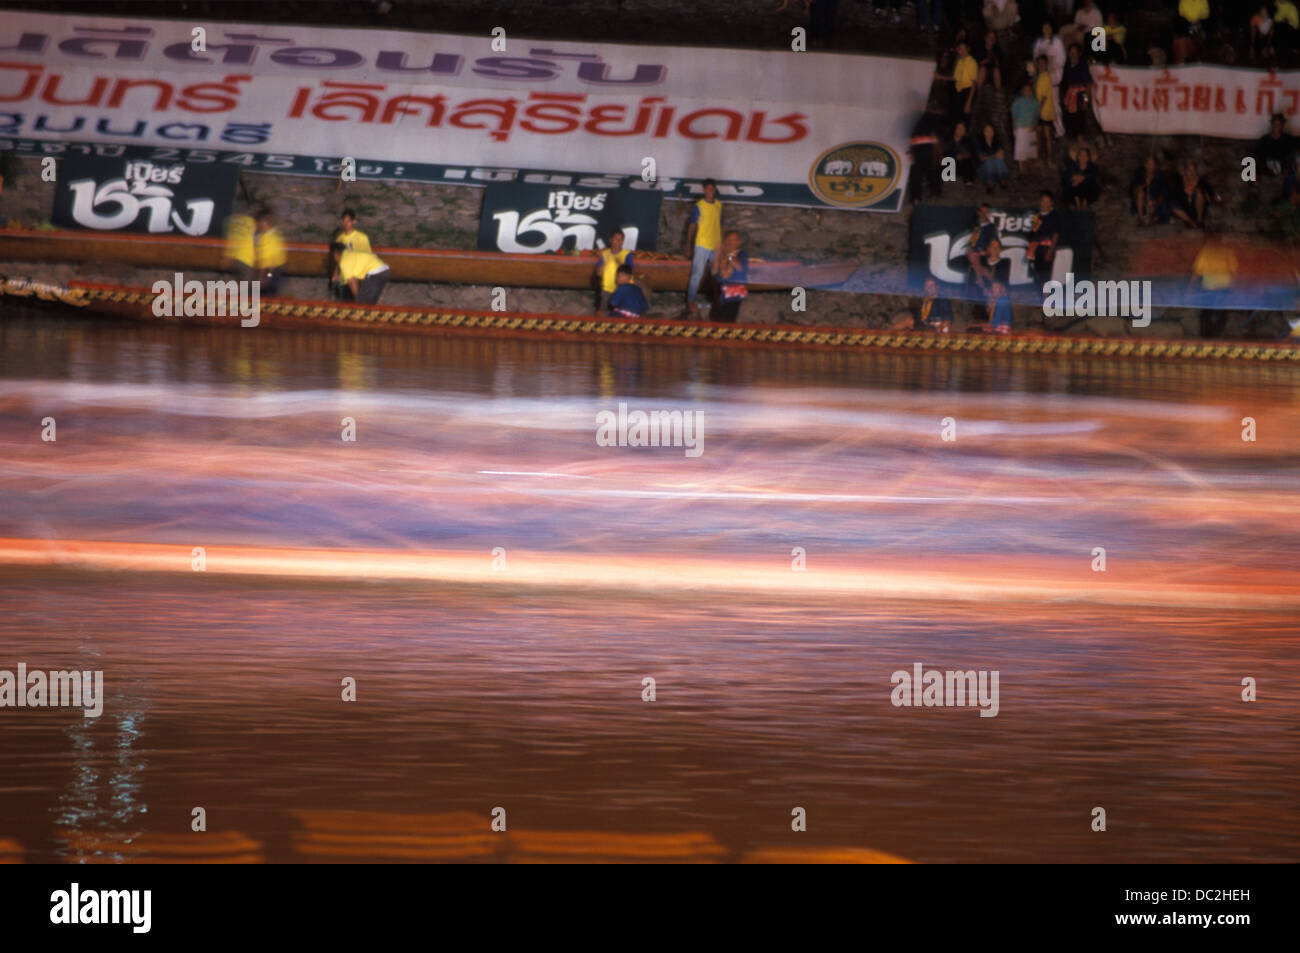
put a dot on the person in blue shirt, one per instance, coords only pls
(628, 300)
(731, 273)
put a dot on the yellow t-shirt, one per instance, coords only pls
(270, 250)
(1194, 11)
(358, 264)
(1287, 13)
(239, 240)
(1043, 92)
(357, 240)
(609, 268)
(708, 224)
(965, 72)
(1216, 266)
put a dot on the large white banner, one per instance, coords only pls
(781, 127)
(1220, 101)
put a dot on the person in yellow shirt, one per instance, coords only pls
(965, 70)
(1213, 274)
(703, 236)
(361, 274)
(240, 255)
(608, 261)
(1286, 30)
(270, 252)
(352, 238)
(1046, 97)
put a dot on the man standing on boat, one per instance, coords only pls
(362, 273)
(703, 235)
(608, 263)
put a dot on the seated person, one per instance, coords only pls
(628, 300)
(936, 312)
(608, 261)
(1150, 193)
(362, 274)
(1081, 185)
(962, 151)
(1192, 197)
(1274, 149)
(985, 231)
(992, 159)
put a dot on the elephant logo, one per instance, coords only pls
(856, 175)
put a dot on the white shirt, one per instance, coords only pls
(1055, 53)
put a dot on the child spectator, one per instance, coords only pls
(731, 269)
(1024, 117)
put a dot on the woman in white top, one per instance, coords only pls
(1049, 45)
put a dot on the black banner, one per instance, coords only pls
(520, 217)
(139, 195)
(941, 237)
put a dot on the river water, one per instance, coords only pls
(499, 586)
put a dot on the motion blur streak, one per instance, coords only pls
(984, 579)
(499, 586)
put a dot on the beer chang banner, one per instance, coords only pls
(518, 217)
(784, 128)
(136, 195)
(1222, 101)
(940, 238)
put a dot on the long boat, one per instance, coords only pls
(437, 265)
(137, 304)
